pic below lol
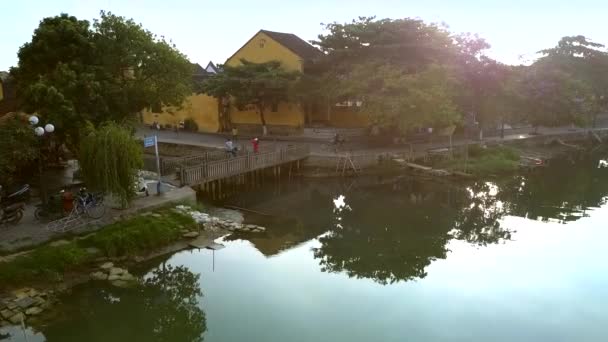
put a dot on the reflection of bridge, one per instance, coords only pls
(197, 170)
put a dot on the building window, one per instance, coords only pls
(275, 107)
(262, 43)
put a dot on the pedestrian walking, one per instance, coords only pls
(230, 148)
(256, 145)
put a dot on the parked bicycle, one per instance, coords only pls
(89, 203)
(85, 205)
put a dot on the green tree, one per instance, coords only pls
(259, 84)
(553, 97)
(394, 68)
(72, 72)
(407, 43)
(109, 160)
(587, 62)
(19, 148)
(393, 98)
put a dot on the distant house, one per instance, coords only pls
(211, 68)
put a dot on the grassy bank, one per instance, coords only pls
(483, 161)
(128, 237)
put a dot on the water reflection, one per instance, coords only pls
(164, 308)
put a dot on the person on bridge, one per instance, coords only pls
(256, 145)
(230, 148)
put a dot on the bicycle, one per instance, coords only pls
(90, 204)
(86, 204)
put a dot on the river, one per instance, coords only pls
(387, 258)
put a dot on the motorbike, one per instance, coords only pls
(51, 209)
(141, 187)
(11, 213)
(18, 196)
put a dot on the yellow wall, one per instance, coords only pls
(272, 51)
(288, 114)
(201, 108)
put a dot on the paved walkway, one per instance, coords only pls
(31, 232)
(320, 148)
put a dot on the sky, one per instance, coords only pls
(212, 30)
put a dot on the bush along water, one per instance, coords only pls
(483, 161)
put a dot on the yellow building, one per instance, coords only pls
(201, 108)
(294, 54)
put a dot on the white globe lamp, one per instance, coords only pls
(49, 128)
(39, 131)
(33, 120)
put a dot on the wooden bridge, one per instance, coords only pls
(217, 165)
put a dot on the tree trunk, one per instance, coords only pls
(263, 120)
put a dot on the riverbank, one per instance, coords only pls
(30, 280)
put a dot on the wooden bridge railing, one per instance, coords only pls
(227, 167)
(172, 165)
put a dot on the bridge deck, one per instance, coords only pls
(227, 167)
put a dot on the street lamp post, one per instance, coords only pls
(40, 131)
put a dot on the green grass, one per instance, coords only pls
(44, 263)
(123, 238)
(140, 234)
(485, 161)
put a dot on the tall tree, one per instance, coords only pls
(482, 78)
(393, 68)
(72, 72)
(586, 61)
(259, 84)
(393, 98)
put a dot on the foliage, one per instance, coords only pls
(408, 44)
(259, 84)
(19, 148)
(587, 62)
(398, 69)
(552, 97)
(109, 160)
(72, 72)
(190, 125)
(140, 234)
(392, 98)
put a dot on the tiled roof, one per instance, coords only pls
(296, 44)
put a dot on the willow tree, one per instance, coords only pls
(109, 160)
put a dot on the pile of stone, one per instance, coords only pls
(117, 276)
(211, 223)
(23, 303)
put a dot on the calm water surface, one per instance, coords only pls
(378, 259)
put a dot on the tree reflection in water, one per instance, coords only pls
(164, 308)
(405, 226)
